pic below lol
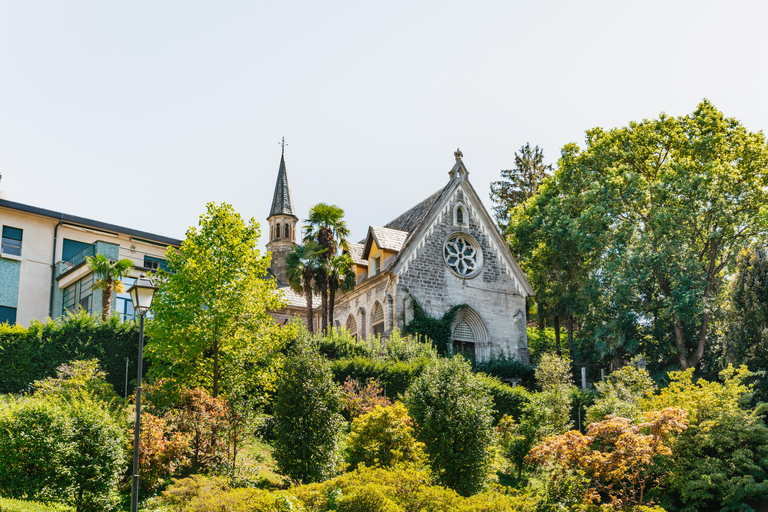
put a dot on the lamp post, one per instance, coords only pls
(142, 292)
(641, 364)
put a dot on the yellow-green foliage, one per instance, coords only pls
(11, 505)
(365, 490)
(383, 437)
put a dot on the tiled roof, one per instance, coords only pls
(390, 239)
(298, 299)
(282, 202)
(411, 219)
(356, 253)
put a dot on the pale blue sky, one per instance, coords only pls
(185, 102)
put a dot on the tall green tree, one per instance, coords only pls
(327, 227)
(520, 183)
(659, 209)
(746, 336)
(302, 265)
(108, 274)
(453, 411)
(308, 421)
(211, 311)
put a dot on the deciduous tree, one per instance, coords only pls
(211, 311)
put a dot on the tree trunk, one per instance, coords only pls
(557, 335)
(332, 287)
(106, 302)
(215, 393)
(324, 300)
(310, 310)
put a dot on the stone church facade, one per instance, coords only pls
(446, 251)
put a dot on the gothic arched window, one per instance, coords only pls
(378, 319)
(277, 230)
(287, 231)
(460, 215)
(352, 326)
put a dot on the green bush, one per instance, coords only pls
(64, 450)
(453, 411)
(11, 505)
(506, 368)
(394, 376)
(338, 344)
(307, 417)
(507, 400)
(34, 353)
(383, 437)
(208, 494)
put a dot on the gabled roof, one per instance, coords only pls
(282, 202)
(419, 218)
(385, 238)
(356, 253)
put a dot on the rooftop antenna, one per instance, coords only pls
(283, 144)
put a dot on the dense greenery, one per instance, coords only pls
(33, 353)
(308, 419)
(632, 237)
(210, 314)
(452, 410)
(62, 444)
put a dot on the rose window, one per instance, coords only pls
(462, 255)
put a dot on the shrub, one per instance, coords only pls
(616, 460)
(394, 376)
(383, 437)
(506, 368)
(34, 353)
(64, 450)
(211, 494)
(453, 413)
(307, 419)
(507, 400)
(338, 344)
(359, 399)
(553, 404)
(721, 460)
(620, 394)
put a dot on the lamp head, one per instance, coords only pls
(142, 293)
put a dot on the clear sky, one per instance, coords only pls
(139, 113)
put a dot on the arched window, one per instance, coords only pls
(277, 230)
(460, 215)
(352, 326)
(287, 231)
(378, 319)
(468, 331)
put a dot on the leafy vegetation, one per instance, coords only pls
(452, 410)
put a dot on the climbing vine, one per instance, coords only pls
(436, 329)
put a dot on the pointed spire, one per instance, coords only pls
(282, 202)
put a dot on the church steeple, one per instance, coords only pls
(282, 202)
(282, 223)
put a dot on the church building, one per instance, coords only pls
(446, 251)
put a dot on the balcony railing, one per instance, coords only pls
(79, 257)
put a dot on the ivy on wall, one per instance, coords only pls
(436, 329)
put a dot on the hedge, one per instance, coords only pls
(396, 377)
(34, 353)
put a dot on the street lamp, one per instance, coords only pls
(641, 364)
(142, 292)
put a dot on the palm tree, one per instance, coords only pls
(341, 277)
(326, 226)
(108, 274)
(301, 269)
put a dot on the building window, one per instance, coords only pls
(375, 265)
(460, 215)
(78, 295)
(352, 326)
(11, 241)
(123, 303)
(153, 263)
(70, 248)
(277, 230)
(378, 320)
(287, 231)
(7, 314)
(462, 255)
